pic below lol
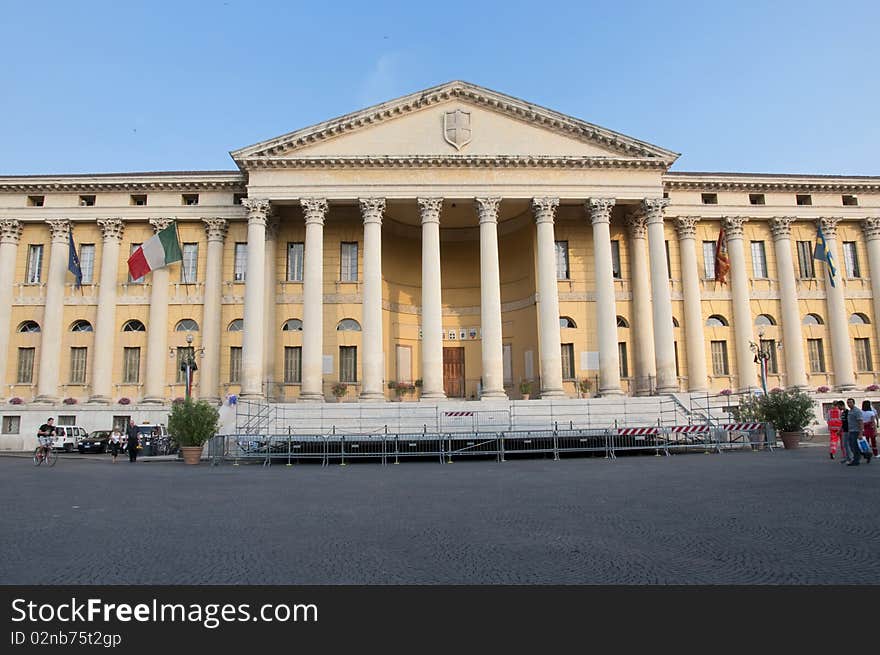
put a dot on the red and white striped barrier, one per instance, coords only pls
(458, 413)
(744, 427)
(689, 428)
(638, 431)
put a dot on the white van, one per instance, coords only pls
(67, 437)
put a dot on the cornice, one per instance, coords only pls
(452, 161)
(233, 181)
(682, 181)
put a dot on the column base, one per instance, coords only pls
(252, 396)
(553, 393)
(667, 390)
(46, 400)
(697, 390)
(153, 400)
(432, 395)
(311, 398)
(372, 397)
(845, 387)
(98, 400)
(215, 400)
(603, 393)
(493, 395)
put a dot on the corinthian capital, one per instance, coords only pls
(686, 227)
(600, 209)
(733, 226)
(372, 209)
(487, 208)
(112, 229)
(429, 209)
(258, 209)
(314, 209)
(10, 231)
(60, 229)
(828, 226)
(871, 227)
(215, 228)
(160, 224)
(653, 208)
(544, 209)
(780, 227)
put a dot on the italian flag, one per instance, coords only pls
(159, 251)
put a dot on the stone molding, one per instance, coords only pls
(686, 227)
(871, 227)
(487, 208)
(599, 209)
(544, 209)
(429, 209)
(258, 209)
(10, 231)
(733, 226)
(112, 229)
(59, 229)
(828, 225)
(215, 228)
(372, 209)
(314, 209)
(653, 209)
(160, 224)
(636, 223)
(683, 181)
(455, 161)
(780, 227)
(129, 182)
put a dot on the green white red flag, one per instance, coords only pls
(157, 252)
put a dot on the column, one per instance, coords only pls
(599, 210)
(112, 230)
(746, 369)
(432, 311)
(642, 321)
(270, 326)
(695, 341)
(664, 341)
(371, 338)
(312, 389)
(156, 369)
(53, 314)
(549, 343)
(792, 336)
(10, 235)
(871, 229)
(254, 299)
(490, 301)
(209, 379)
(838, 316)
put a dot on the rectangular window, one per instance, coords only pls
(190, 263)
(816, 352)
(235, 365)
(295, 254)
(805, 260)
(708, 260)
(756, 198)
(668, 260)
(851, 260)
(292, 364)
(190, 199)
(183, 354)
(804, 199)
(719, 358)
(240, 264)
(615, 260)
(25, 366)
(67, 420)
(87, 201)
(675, 352)
(34, 264)
(709, 198)
(348, 364)
(849, 201)
(11, 424)
(863, 355)
(138, 199)
(121, 423)
(348, 261)
(140, 280)
(568, 361)
(78, 365)
(131, 365)
(769, 346)
(562, 270)
(35, 201)
(759, 260)
(404, 364)
(238, 197)
(87, 262)
(624, 361)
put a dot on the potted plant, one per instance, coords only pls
(872, 387)
(192, 423)
(584, 387)
(69, 401)
(789, 412)
(16, 401)
(525, 388)
(124, 401)
(823, 389)
(339, 390)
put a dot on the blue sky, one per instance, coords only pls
(89, 87)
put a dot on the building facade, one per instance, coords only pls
(458, 238)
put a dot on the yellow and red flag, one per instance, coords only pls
(722, 260)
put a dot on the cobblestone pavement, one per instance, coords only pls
(739, 518)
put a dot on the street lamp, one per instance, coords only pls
(188, 365)
(763, 354)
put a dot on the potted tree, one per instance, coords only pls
(525, 388)
(583, 387)
(789, 412)
(192, 423)
(339, 390)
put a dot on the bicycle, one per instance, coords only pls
(44, 453)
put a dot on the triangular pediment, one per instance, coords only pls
(455, 120)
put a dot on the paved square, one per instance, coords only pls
(784, 517)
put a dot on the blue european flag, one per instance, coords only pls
(73, 261)
(823, 254)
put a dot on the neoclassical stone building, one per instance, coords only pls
(456, 236)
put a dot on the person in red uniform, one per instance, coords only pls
(835, 425)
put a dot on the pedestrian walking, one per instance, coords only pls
(855, 426)
(844, 440)
(869, 416)
(133, 442)
(835, 428)
(115, 443)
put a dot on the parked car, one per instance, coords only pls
(96, 442)
(67, 437)
(155, 440)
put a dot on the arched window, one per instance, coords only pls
(187, 325)
(29, 326)
(81, 326)
(292, 325)
(716, 320)
(621, 322)
(764, 319)
(859, 319)
(813, 319)
(349, 324)
(566, 322)
(675, 322)
(133, 325)
(236, 326)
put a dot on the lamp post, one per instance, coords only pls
(189, 366)
(763, 354)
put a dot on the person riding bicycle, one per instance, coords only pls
(45, 435)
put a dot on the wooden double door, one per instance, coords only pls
(453, 372)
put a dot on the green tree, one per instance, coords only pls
(192, 423)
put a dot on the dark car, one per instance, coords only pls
(96, 442)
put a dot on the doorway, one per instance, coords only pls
(453, 372)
